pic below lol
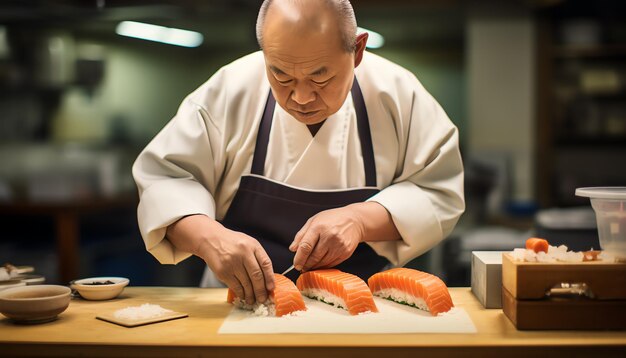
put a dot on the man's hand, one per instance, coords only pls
(327, 239)
(237, 259)
(330, 237)
(241, 263)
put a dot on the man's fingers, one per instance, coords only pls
(339, 257)
(316, 259)
(334, 262)
(248, 291)
(257, 278)
(296, 241)
(266, 266)
(235, 285)
(328, 261)
(305, 248)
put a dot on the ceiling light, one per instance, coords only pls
(374, 40)
(166, 35)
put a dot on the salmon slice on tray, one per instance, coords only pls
(283, 300)
(339, 289)
(413, 288)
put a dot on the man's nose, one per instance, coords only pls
(303, 93)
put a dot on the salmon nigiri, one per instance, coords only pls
(412, 287)
(339, 289)
(283, 300)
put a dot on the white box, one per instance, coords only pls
(487, 277)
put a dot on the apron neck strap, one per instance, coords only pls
(365, 136)
(363, 126)
(263, 137)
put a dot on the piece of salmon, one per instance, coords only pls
(283, 300)
(412, 287)
(337, 288)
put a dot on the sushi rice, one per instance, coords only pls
(554, 254)
(324, 296)
(402, 297)
(258, 309)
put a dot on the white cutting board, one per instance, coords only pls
(322, 318)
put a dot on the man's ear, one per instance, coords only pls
(361, 41)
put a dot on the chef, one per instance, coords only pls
(311, 152)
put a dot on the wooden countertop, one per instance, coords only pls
(78, 333)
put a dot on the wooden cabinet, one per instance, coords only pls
(581, 100)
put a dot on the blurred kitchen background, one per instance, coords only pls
(536, 87)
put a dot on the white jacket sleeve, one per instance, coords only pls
(426, 199)
(177, 172)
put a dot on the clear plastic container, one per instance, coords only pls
(609, 204)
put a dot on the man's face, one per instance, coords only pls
(309, 71)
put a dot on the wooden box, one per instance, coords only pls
(526, 302)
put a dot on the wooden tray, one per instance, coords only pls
(564, 314)
(109, 317)
(532, 280)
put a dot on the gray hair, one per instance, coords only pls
(344, 12)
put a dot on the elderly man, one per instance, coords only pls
(357, 167)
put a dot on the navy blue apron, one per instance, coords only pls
(273, 213)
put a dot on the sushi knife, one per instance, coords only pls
(287, 270)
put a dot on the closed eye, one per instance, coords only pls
(321, 82)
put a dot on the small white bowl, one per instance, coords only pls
(31, 279)
(98, 288)
(11, 283)
(34, 304)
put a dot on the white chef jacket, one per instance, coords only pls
(193, 166)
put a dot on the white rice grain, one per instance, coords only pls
(145, 311)
(324, 296)
(402, 297)
(554, 254)
(258, 309)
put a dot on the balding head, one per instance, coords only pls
(310, 16)
(309, 63)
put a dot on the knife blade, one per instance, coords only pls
(287, 270)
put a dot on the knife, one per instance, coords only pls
(287, 270)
